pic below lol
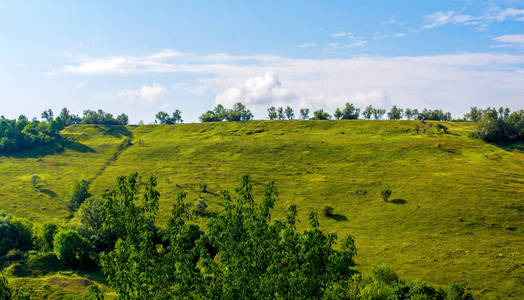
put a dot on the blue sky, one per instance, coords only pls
(140, 57)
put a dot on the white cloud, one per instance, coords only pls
(80, 84)
(261, 90)
(440, 18)
(510, 13)
(146, 93)
(514, 39)
(390, 21)
(307, 45)
(452, 82)
(340, 34)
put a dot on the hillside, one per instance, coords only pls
(456, 213)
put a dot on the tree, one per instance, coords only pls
(242, 254)
(239, 112)
(408, 113)
(68, 118)
(14, 234)
(72, 248)
(79, 193)
(304, 113)
(272, 113)
(368, 112)
(47, 115)
(122, 119)
(5, 291)
(395, 113)
(474, 115)
(177, 116)
(321, 115)
(91, 220)
(46, 236)
(500, 126)
(378, 113)
(337, 114)
(280, 112)
(289, 113)
(350, 112)
(164, 118)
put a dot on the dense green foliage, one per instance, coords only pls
(500, 126)
(164, 118)
(46, 236)
(320, 115)
(5, 291)
(238, 113)
(79, 193)
(14, 233)
(72, 248)
(22, 134)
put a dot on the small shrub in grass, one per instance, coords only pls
(327, 211)
(386, 193)
(456, 292)
(200, 206)
(35, 180)
(384, 273)
(79, 193)
(203, 187)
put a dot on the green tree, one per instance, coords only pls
(368, 112)
(395, 113)
(46, 236)
(290, 115)
(350, 112)
(79, 193)
(304, 113)
(378, 113)
(337, 114)
(47, 115)
(474, 115)
(14, 234)
(385, 193)
(122, 119)
(272, 113)
(321, 115)
(73, 249)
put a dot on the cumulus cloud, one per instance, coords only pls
(260, 90)
(146, 93)
(454, 82)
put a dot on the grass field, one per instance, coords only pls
(456, 212)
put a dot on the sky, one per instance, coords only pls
(140, 57)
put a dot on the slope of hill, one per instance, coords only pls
(456, 212)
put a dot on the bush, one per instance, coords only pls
(92, 225)
(72, 248)
(5, 291)
(46, 236)
(14, 233)
(384, 273)
(79, 193)
(386, 193)
(39, 263)
(200, 206)
(327, 211)
(456, 292)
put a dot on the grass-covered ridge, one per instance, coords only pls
(456, 208)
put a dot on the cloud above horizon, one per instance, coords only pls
(453, 82)
(146, 94)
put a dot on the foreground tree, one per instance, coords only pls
(242, 254)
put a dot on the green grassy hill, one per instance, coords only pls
(457, 208)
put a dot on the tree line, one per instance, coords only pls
(20, 134)
(241, 253)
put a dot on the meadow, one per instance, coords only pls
(456, 212)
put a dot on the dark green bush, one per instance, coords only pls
(384, 273)
(79, 193)
(5, 291)
(385, 193)
(46, 235)
(14, 233)
(327, 211)
(73, 249)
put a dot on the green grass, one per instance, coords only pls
(456, 212)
